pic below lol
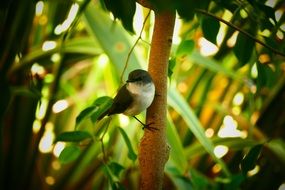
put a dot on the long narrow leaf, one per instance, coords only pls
(79, 46)
(176, 147)
(180, 105)
(113, 39)
(73, 136)
(212, 65)
(132, 155)
(69, 154)
(196, 149)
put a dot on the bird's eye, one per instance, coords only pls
(138, 78)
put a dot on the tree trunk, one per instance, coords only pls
(153, 150)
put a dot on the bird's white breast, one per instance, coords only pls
(143, 95)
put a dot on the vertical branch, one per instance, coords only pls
(153, 150)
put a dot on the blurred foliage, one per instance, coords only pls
(226, 116)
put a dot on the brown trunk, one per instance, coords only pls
(154, 151)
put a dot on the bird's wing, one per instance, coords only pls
(122, 101)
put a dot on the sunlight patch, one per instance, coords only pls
(221, 150)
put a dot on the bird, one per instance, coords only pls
(135, 96)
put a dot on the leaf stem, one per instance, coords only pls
(102, 143)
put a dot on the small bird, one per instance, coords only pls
(134, 97)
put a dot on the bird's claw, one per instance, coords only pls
(147, 126)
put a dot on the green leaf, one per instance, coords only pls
(271, 41)
(185, 47)
(69, 154)
(113, 179)
(99, 106)
(180, 105)
(268, 12)
(102, 104)
(85, 46)
(123, 10)
(235, 182)
(101, 127)
(86, 113)
(266, 76)
(116, 168)
(243, 48)
(174, 141)
(237, 143)
(212, 65)
(131, 154)
(171, 65)
(249, 161)
(180, 180)
(210, 28)
(113, 40)
(185, 9)
(277, 146)
(199, 180)
(73, 136)
(262, 75)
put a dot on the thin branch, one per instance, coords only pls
(133, 47)
(241, 31)
(102, 143)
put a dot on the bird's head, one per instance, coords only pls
(139, 76)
